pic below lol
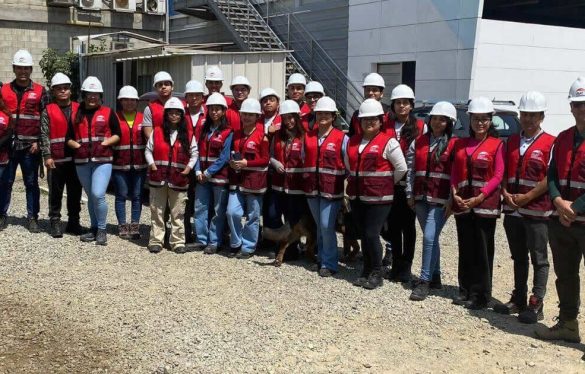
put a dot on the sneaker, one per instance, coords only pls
(375, 280)
(191, 247)
(124, 231)
(563, 330)
(475, 304)
(33, 226)
(134, 231)
(56, 229)
(436, 283)
(73, 228)
(210, 250)
(233, 252)
(101, 237)
(325, 273)
(516, 305)
(241, 255)
(154, 248)
(533, 312)
(421, 291)
(89, 236)
(3, 222)
(180, 250)
(363, 278)
(461, 299)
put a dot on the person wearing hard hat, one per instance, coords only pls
(428, 190)
(375, 164)
(313, 92)
(95, 131)
(247, 181)
(153, 114)
(566, 230)
(211, 192)
(373, 89)
(240, 90)
(476, 174)
(171, 154)
(26, 100)
(270, 101)
(6, 134)
(400, 231)
(129, 167)
(324, 177)
(295, 88)
(58, 158)
(195, 116)
(214, 82)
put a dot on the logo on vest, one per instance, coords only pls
(537, 155)
(374, 149)
(330, 147)
(32, 96)
(251, 145)
(100, 118)
(485, 156)
(296, 147)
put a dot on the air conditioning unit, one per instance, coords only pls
(90, 4)
(62, 3)
(116, 45)
(124, 5)
(155, 6)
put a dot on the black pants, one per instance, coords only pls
(475, 236)
(64, 176)
(368, 220)
(568, 247)
(527, 235)
(190, 210)
(401, 231)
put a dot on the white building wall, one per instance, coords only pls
(512, 58)
(438, 34)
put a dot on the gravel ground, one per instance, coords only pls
(67, 306)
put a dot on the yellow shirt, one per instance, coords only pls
(129, 117)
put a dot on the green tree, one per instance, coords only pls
(54, 62)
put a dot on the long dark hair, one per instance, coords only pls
(491, 130)
(409, 130)
(444, 142)
(182, 135)
(222, 122)
(283, 134)
(448, 129)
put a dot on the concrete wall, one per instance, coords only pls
(438, 34)
(512, 58)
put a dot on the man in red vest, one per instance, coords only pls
(566, 185)
(56, 120)
(154, 113)
(25, 100)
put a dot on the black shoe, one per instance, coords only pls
(325, 273)
(33, 226)
(391, 273)
(436, 283)
(244, 255)
(475, 304)
(154, 248)
(533, 312)
(210, 250)
(360, 282)
(3, 222)
(517, 304)
(195, 247)
(180, 250)
(375, 280)
(73, 228)
(421, 291)
(461, 299)
(404, 275)
(89, 236)
(233, 252)
(101, 237)
(56, 230)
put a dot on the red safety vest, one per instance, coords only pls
(26, 113)
(371, 176)
(432, 178)
(251, 179)
(196, 128)
(324, 169)
(232, 115)
(170, 161)
(129, 152)
(525, 172)
(91, 136)
(276, 122)
(570, 165)
(209, 150)
(58, 126)
(157, 113)
(473, 172)
(290, 155)
(388, 128)
(4, 151)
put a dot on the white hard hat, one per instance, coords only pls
(251, 105)
(314, 86)
(194, 86)
(577, 91)
(22, 57)
(162, 76)
(402, 91)
(374, 79)
(216, 99)
(296, 78)
(240, 80)
(214, 73)
(128, 92)
(60, 78)
(480, 105)
(92, 84)
(289, 106)
(370, 108)
(175, 103)
(268, 92)
(532, 101)
(325, 104)
(444, 108)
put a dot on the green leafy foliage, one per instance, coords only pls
(68, 63)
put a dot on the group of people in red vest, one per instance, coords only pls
(211, 160)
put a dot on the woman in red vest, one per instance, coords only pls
(129, 164)
(171, 154)
(478, 169)
(247, 175)
(95, 130)
(6, 133)
(211, 193)
(429, 160)
(324, 176)
(375, 163)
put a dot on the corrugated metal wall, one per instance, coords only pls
(104, 68)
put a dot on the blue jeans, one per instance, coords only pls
(95, 178)
(431, 219)
(208, 196)
(247, 235)
(129, 186)
(29, 165)
(324, 212)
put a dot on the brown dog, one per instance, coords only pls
(346, 226)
